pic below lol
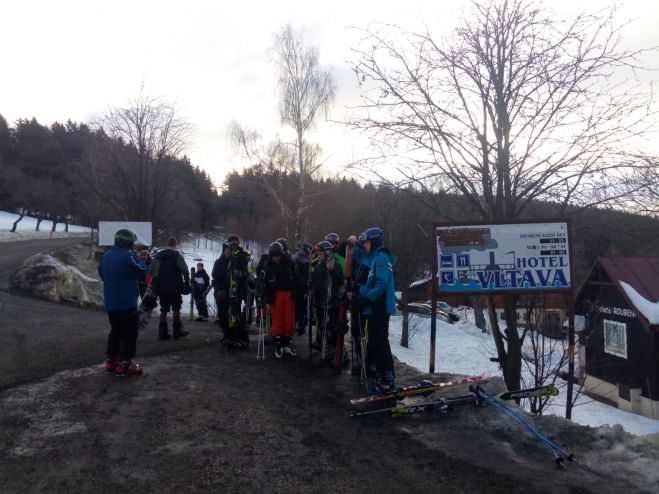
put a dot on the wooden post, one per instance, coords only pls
(433, 304)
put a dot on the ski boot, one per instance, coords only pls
(163, 330)
(288, 348)
(111, 363)
(279, 349)
(128, 368)
(178, 328)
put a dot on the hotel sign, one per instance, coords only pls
(503, 257)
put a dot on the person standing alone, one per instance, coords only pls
(121, 270)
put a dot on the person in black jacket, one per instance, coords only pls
(200, 285)
(327, 281)
(302, 262)
(220, 284)
(230, 281)
(171, 278)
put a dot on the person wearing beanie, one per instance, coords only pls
(121, 271)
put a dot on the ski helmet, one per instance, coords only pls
(284, 243)
(325, 247)
(332, 238)
(276, 249)
(125, 238)
(375, 235)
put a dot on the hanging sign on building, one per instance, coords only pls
(503, 257)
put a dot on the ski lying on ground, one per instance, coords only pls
(422, 389)
(560, 454)
(442, 405)
(529, 393)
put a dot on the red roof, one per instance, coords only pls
(642, 273)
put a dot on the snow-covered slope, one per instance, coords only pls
(26, 228)
(462, 348)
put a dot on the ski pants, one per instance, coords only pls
(301, 309)
(282, 312)
(332, 317)
(122, 339)
(200, 302)
(379, 351)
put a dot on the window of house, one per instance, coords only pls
(615, 338)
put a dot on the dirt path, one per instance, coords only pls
(205, 421)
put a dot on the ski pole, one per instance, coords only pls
(260, 346)
(556, 450)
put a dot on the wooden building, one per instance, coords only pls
(619, 306)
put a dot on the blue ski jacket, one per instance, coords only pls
(379, 288)
(121, 270)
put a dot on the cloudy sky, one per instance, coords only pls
(73, 60)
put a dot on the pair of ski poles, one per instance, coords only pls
(264, 327)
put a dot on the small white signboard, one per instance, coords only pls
(503, 257)
(107, 229)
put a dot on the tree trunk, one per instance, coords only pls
(477, 305)
(15, 224)
(405, 334)
(39, 220)
(513, 369)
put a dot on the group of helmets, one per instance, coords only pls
(331, 241)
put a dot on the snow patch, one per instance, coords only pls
(646, 307)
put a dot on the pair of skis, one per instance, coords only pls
(424, 388)
(479, 397)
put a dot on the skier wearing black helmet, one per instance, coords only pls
(378, 301)
(279, 294)
(121, 270)
(230, 279)
(326, 284)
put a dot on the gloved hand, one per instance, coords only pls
(359, 302)
(187, 289)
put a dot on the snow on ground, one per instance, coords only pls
(462, 348)
(26, 228)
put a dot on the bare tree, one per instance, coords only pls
(152, 129)
(517, 106)
(305, 91)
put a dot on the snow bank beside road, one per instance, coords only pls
(462, 348)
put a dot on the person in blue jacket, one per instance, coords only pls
(121, 271)
(378, 303)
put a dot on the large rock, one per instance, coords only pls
(49, 278)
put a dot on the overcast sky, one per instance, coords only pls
(73, 60)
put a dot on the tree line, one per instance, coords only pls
(76, 173)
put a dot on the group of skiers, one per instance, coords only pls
(331, 287)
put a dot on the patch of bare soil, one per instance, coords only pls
(203, 420)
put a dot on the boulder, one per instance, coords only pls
(49, 278)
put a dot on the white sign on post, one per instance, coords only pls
(107, 229)
(503, 257)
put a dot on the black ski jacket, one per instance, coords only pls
(170, 272)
